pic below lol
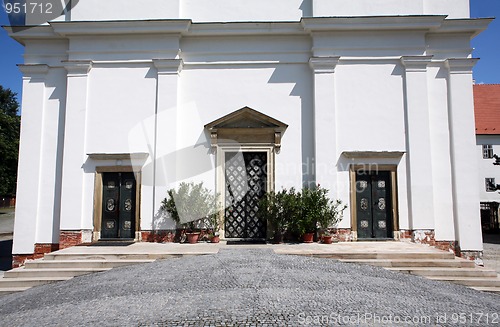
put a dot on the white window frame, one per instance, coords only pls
(487, 151)
(488, 182)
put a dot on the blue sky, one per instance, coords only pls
(486, 45)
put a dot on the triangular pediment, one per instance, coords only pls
(246, 118)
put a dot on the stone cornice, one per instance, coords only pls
(34, 71)
(307, 25)
(246, 28)
(118, 156)
(77, 67)
(37, 32)
(372, 154)
(176, 26)
(461, 65)
(472, 26)
(416, 63)
(318, 24)
(168, 66)
(323, 65)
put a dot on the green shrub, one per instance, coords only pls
(280, 209)
(301, 212)
(191, 204)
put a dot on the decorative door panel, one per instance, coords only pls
(246, 180)
(374, 204)
(118, 205)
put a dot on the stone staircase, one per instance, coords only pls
(56, 266)
(440, 266)
(396, 256)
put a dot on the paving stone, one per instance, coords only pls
(248, 287)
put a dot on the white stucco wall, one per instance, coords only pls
(346, 90)
(118, 99)
(486, 167)
(260, 10)
(123, 10)
(452, 8)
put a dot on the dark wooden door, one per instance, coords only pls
(118, 205)
(246, 180)
(374, 205)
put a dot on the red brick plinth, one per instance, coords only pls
(40, 249)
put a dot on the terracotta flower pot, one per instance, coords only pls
(215, 239)
(278, 238)
(308, 237)
(327, 239)
(193, 237)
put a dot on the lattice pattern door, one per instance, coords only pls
(246, 180)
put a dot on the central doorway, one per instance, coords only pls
(246, 183)
(118, 205)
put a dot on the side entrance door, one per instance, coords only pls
(374, 205)
(246, 183)
(118, 205)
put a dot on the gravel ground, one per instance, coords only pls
(249, 287)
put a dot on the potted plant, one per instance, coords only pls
(313, 203)
(279, 209)
(190, 205)
(331, 216)
(327, 237)
(318, 210)
(215, 224)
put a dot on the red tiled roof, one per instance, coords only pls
(487, 108)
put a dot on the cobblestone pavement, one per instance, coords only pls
(249, 287)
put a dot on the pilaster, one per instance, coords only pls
(325, 121)
(418, 142)
(464, 154)
(73, 181)
(30, 152)
(164, 166)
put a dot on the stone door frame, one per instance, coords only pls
(221, 172)
(98, 191)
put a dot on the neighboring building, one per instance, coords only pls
(487, 112)
(372, 99)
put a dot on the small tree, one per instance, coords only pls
(190, 205)
(9, 141)
(280, 209)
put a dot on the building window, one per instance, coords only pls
(490, 184)
(487, 151)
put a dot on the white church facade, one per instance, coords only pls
(371, 99)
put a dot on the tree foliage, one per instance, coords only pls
(10, 124)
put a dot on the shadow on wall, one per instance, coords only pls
(6, 255)
(302, 81)
(307, 8)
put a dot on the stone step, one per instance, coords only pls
(490, 289)
(83, 263)
(28, 281)
(10, 290)
(456, 263)
(438, 255)
(112, 256)
(50, 272)
(446, 271)
(469, 281)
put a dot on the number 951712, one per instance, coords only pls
(28, 8)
